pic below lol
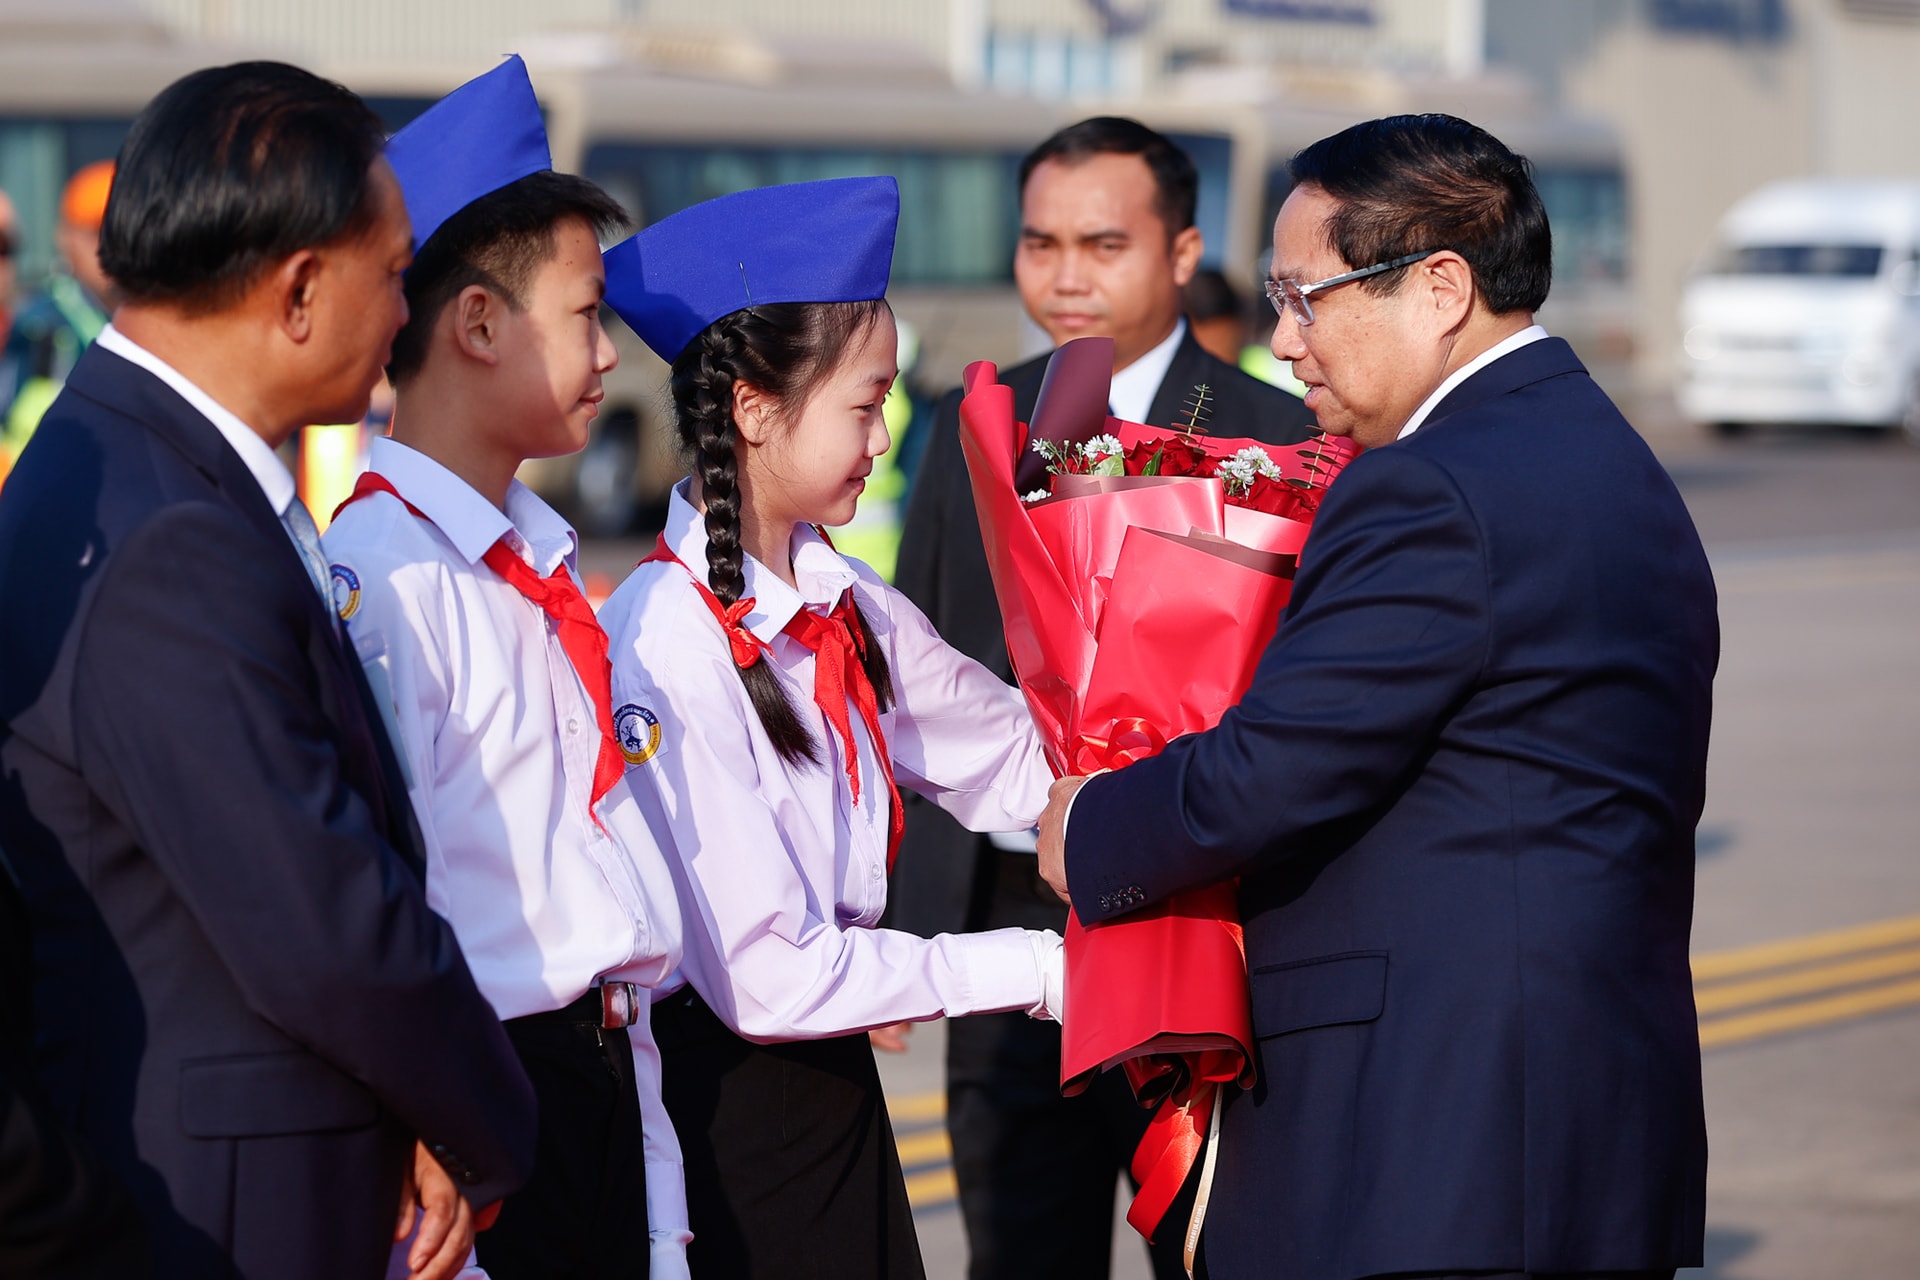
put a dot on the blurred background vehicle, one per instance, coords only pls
(667, 116)
(1807, 310)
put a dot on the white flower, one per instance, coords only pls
(1103, 446)
(1239, 474)
(1260, 460)
(1040, 444)
(1038, 495)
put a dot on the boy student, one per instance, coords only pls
(457, 585)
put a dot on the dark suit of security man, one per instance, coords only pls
(243, 1006)
(1107, 242)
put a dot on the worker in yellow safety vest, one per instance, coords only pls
(64, 318)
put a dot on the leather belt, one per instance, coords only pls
(610, 1006)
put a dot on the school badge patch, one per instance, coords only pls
(346, 590)
(638, 731)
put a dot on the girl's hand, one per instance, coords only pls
(892, 1039)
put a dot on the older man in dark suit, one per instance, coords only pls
(1460, 794)
(242, 1001)
(1107, 242)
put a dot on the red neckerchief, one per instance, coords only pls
(839, 677)
(581, 635)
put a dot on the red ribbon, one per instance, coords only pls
(1131, 739)
(580, 633)
(1187, 1084)
(745, 645)
(1171, 1146)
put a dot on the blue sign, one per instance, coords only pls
(1738, 20)
(1352, 14)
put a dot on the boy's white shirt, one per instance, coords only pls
(500, 742)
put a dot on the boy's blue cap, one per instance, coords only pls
(829, 241)
(476, 140)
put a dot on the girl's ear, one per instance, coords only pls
(753, 412)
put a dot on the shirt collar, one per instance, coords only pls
(272, 475)
(821, 575)
(471, 523)
(1134, 387)
(1506, 346)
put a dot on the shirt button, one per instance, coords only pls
(874, 874)
(573, 726)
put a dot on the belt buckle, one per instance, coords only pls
(619, 1005)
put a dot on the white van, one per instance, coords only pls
(1807, 310)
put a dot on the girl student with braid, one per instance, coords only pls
(776, 694)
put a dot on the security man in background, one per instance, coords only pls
(1107, 243)
(64, 318)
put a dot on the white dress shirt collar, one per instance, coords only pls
(1134, 387)
(820, 575)
(472, 524)
(274, 478)
(1506, 346)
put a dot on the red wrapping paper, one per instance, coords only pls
(1083, 531)
(1130, 621)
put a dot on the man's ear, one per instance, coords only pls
(753, 412)
(1446, 287)
(1186, 251)
(294, 286)
(475, 317)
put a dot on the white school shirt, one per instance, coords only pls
(781, 874)
(499, 738)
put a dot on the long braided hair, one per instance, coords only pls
(786, 350)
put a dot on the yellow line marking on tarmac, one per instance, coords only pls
(1720, 997)
(935, 1186)
(1809, 1013)
(1813, 946)
(924, 1148)
(918, 1108)
(1743, 994)
(1752, 988)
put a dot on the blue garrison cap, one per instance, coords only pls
(476, 140)
(829, 241)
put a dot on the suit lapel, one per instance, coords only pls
(1535, 362)
(125, 388)
(1185, 372)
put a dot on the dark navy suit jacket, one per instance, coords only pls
(1460, 796)
(242, 1001)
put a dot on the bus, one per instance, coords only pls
(665, 120)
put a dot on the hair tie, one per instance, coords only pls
(746, 646)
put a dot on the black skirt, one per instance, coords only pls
(790, 1160)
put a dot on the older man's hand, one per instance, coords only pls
(1053, 834)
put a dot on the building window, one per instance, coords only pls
(959, 210)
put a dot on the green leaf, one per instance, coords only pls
(1153, 464)
(1111, 465)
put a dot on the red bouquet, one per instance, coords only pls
(1140, 577)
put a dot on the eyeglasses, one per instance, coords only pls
(1291, 293)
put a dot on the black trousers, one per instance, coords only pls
(791, 1167)
(583, 1213)
(1037, 1171)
